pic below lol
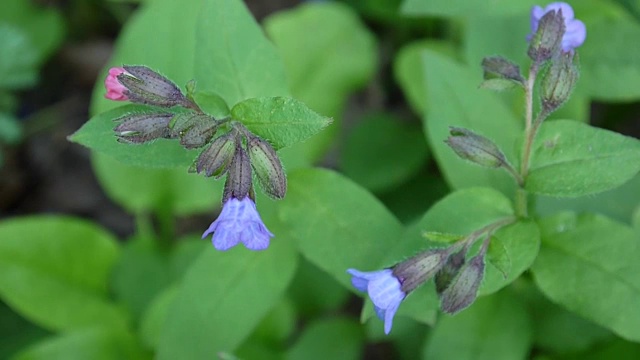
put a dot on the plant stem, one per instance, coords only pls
(531, 128)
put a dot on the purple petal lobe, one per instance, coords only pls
(238, 222)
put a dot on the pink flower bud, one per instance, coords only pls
(115, 90)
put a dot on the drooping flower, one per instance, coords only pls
(385, 292)
(115, 90)
(239, 222)
(575, 30)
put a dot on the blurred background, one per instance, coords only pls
(52, 63)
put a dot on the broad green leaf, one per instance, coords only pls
(382, 152)
(283, 121)
(20, 69)
(223, 296)
(459, 213)
(16, 332)
(464, 7)
(54, 271)
(44, 26)
(233, 58)
(557, 329)
(589, 264)
(494, 328)
(608, 64)
(93, 343)
(521, 243)
(141, 190)
(455, 100)
(617, 349)
(152, 321)
(617, 204)
(98, 135)
(572, 159)
(408, 70)
(212, 104)
(324, 64)
(336, 223)
(140, 274)
(337, 338)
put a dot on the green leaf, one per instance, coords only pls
(589, 264)
(521, 243)
(493, 328)
(212, 104)
(20, 69)
(98, 135)
(152, 321)
(382, 152)
(283, 121)
(408, 70)
(223, 296)
(617, 349)
(455, 100)
(324, 64)
(574, 159)
(43, 26)
(557, 329)
(464, 7)
(498, 256)
(93, 343)
(16, 332)
(325, 213)
(608, 64)
(139, 275)
(233, 58)
(617, 204)
(141, 190)
(54, 271)
(337, 338)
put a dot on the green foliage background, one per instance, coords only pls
(562, 285)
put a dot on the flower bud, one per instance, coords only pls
(463, 289)
(449, 271)
(146, 86)
(268, 167)
(215, 159)
(238, 184)
(141, 128)
(199, 134)
(497, 67)
(471, 146)
(558, 82)
(414, 271)
(546, 41)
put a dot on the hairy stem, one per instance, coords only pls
(531, 128)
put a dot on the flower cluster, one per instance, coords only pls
(457, 281)
(235, 153)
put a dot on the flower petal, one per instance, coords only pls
(388, 317)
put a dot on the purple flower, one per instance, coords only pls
(239, 221)
(575, 32)
(384, 290)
